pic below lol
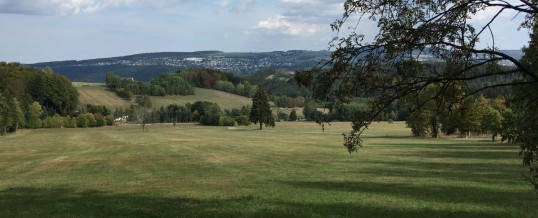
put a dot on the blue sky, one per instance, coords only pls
(51, 30)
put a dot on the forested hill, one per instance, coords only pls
(148, 65)
(145, 66)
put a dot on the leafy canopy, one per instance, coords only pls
(386, 66)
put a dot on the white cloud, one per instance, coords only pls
(280, 24)
(58, 7)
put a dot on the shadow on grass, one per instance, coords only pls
(474, 199)
(470, 172)
(40, 202)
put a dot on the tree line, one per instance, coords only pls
(204, 112)
(167, 84)
(28, 96)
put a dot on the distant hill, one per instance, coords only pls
(145, 66)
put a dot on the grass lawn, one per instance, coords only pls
(224, 99)
(292, 170)
(97, 94)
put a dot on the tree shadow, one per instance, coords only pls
(65, 202)
(443, 193)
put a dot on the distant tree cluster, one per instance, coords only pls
(288, 102)
(214, 79)
(244, 88)
(205, 112)
(173, 84)
(278, 83)
(471, 115)
(168, 84)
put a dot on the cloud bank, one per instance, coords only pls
(280, 24)
(58, 7)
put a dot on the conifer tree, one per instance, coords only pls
(261, 110)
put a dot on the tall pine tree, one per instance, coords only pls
(261, 110)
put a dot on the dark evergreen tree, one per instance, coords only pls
(293, 115)
(261, 110)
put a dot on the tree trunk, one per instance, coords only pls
(261, 125)
(435, 129)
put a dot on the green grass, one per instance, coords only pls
(97, 94)
(224, 99)
(292, 170)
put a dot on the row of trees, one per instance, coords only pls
(288, 102)
(244, 88)
(207, 113)
(13, 117)
(472, 115)
(207, 78)
(80, 121)
(167, 84)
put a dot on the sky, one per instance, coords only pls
(52, 30)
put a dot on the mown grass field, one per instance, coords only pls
(97, 94)
(224, 99)
(292, 170)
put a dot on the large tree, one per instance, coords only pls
(261, 110)
(386, 66)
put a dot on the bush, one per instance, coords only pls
(226, 121)
(242, 120)
(82, 122)
(56, 121)
(91, 120)
(70, 122)
(99, 120)
(109, 120)
(281, 116)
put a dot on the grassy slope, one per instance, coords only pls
(96, 93)
(293, 170)
(224, 99)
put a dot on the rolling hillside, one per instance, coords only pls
(96, 93)
(145, 66)
(224, 99)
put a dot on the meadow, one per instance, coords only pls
(97, 94)
(292, 170)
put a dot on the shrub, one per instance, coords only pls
(91, 120)
(109, 120)
(99, 120)
(226, 121)
(82, 121)
(242, 120)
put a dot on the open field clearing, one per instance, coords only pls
(224, 99)
(97, 94)
(292, 170)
